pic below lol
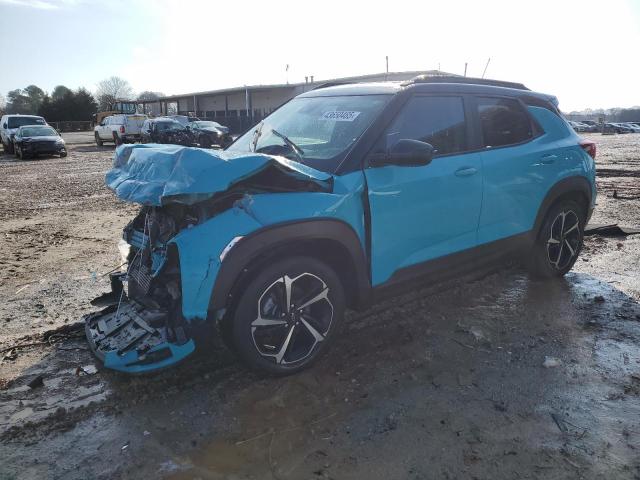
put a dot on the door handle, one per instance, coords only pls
(548, 159)
(466, 172)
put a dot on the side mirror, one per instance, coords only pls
(4, 125)
(406, 153)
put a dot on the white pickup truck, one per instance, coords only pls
(119, 129)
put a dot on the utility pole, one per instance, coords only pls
(485, 67)
(465, 69)
(387, 74)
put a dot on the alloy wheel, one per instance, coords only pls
(564, 239)
(294, 316)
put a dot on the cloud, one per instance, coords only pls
(41, 4)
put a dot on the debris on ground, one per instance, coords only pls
(610, 230)
(36, 382)
(551, 362)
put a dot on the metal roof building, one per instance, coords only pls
(241, 107)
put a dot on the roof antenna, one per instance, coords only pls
(465, 69)
(485, 67)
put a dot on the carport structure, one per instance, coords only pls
(239, 108)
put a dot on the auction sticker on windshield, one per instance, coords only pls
(340, 116)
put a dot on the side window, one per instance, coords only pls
(503, 121)
(439, 121)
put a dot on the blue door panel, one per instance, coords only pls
(422, 213)
(517, 178)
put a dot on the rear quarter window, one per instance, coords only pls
(503, 121)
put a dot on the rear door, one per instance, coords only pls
(419, 213)
(519, 164)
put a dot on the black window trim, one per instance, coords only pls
(536, 129)
(470, 134)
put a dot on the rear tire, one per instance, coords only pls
(287, 315)
(116, 139)
(98, 140)
(559, 240)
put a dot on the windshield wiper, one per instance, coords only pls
(295, 148)
(256, 136)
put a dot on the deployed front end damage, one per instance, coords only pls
(195, 203)
(142, 328)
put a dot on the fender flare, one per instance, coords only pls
(262, 242)
(574, 184)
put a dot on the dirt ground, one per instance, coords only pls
(444, 382)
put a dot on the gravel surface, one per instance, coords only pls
(491, 377)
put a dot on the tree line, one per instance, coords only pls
(65, 104)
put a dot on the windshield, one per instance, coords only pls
(37, 132)
(17, 122)
(316, 131)
(206, 124)
(165, 126)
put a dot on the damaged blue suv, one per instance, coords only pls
(333, 201)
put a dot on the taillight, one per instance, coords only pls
(589, 147)
(122, 131)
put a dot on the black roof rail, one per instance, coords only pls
(465, 80)
(331, 84)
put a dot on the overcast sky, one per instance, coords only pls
(584, 52)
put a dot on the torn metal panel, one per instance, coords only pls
(157, 175)
(131, 338)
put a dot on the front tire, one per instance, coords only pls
(98, 139)
(205, 142)
(18, 152)
(559, 240)
(287, 316)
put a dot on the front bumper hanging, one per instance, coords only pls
(129, 337)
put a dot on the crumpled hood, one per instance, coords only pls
(155, 175)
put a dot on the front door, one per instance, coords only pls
(419, 213)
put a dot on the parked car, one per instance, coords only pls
(577, 126)
(9, 125)
(342, 196)
(166, 130)
(207, 133)
(621, 128)
(592, 125)
(632, 126)
(119, 129)
(31, 140)
(183, 119)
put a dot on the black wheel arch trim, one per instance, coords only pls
(265, 240)
(569, 185)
